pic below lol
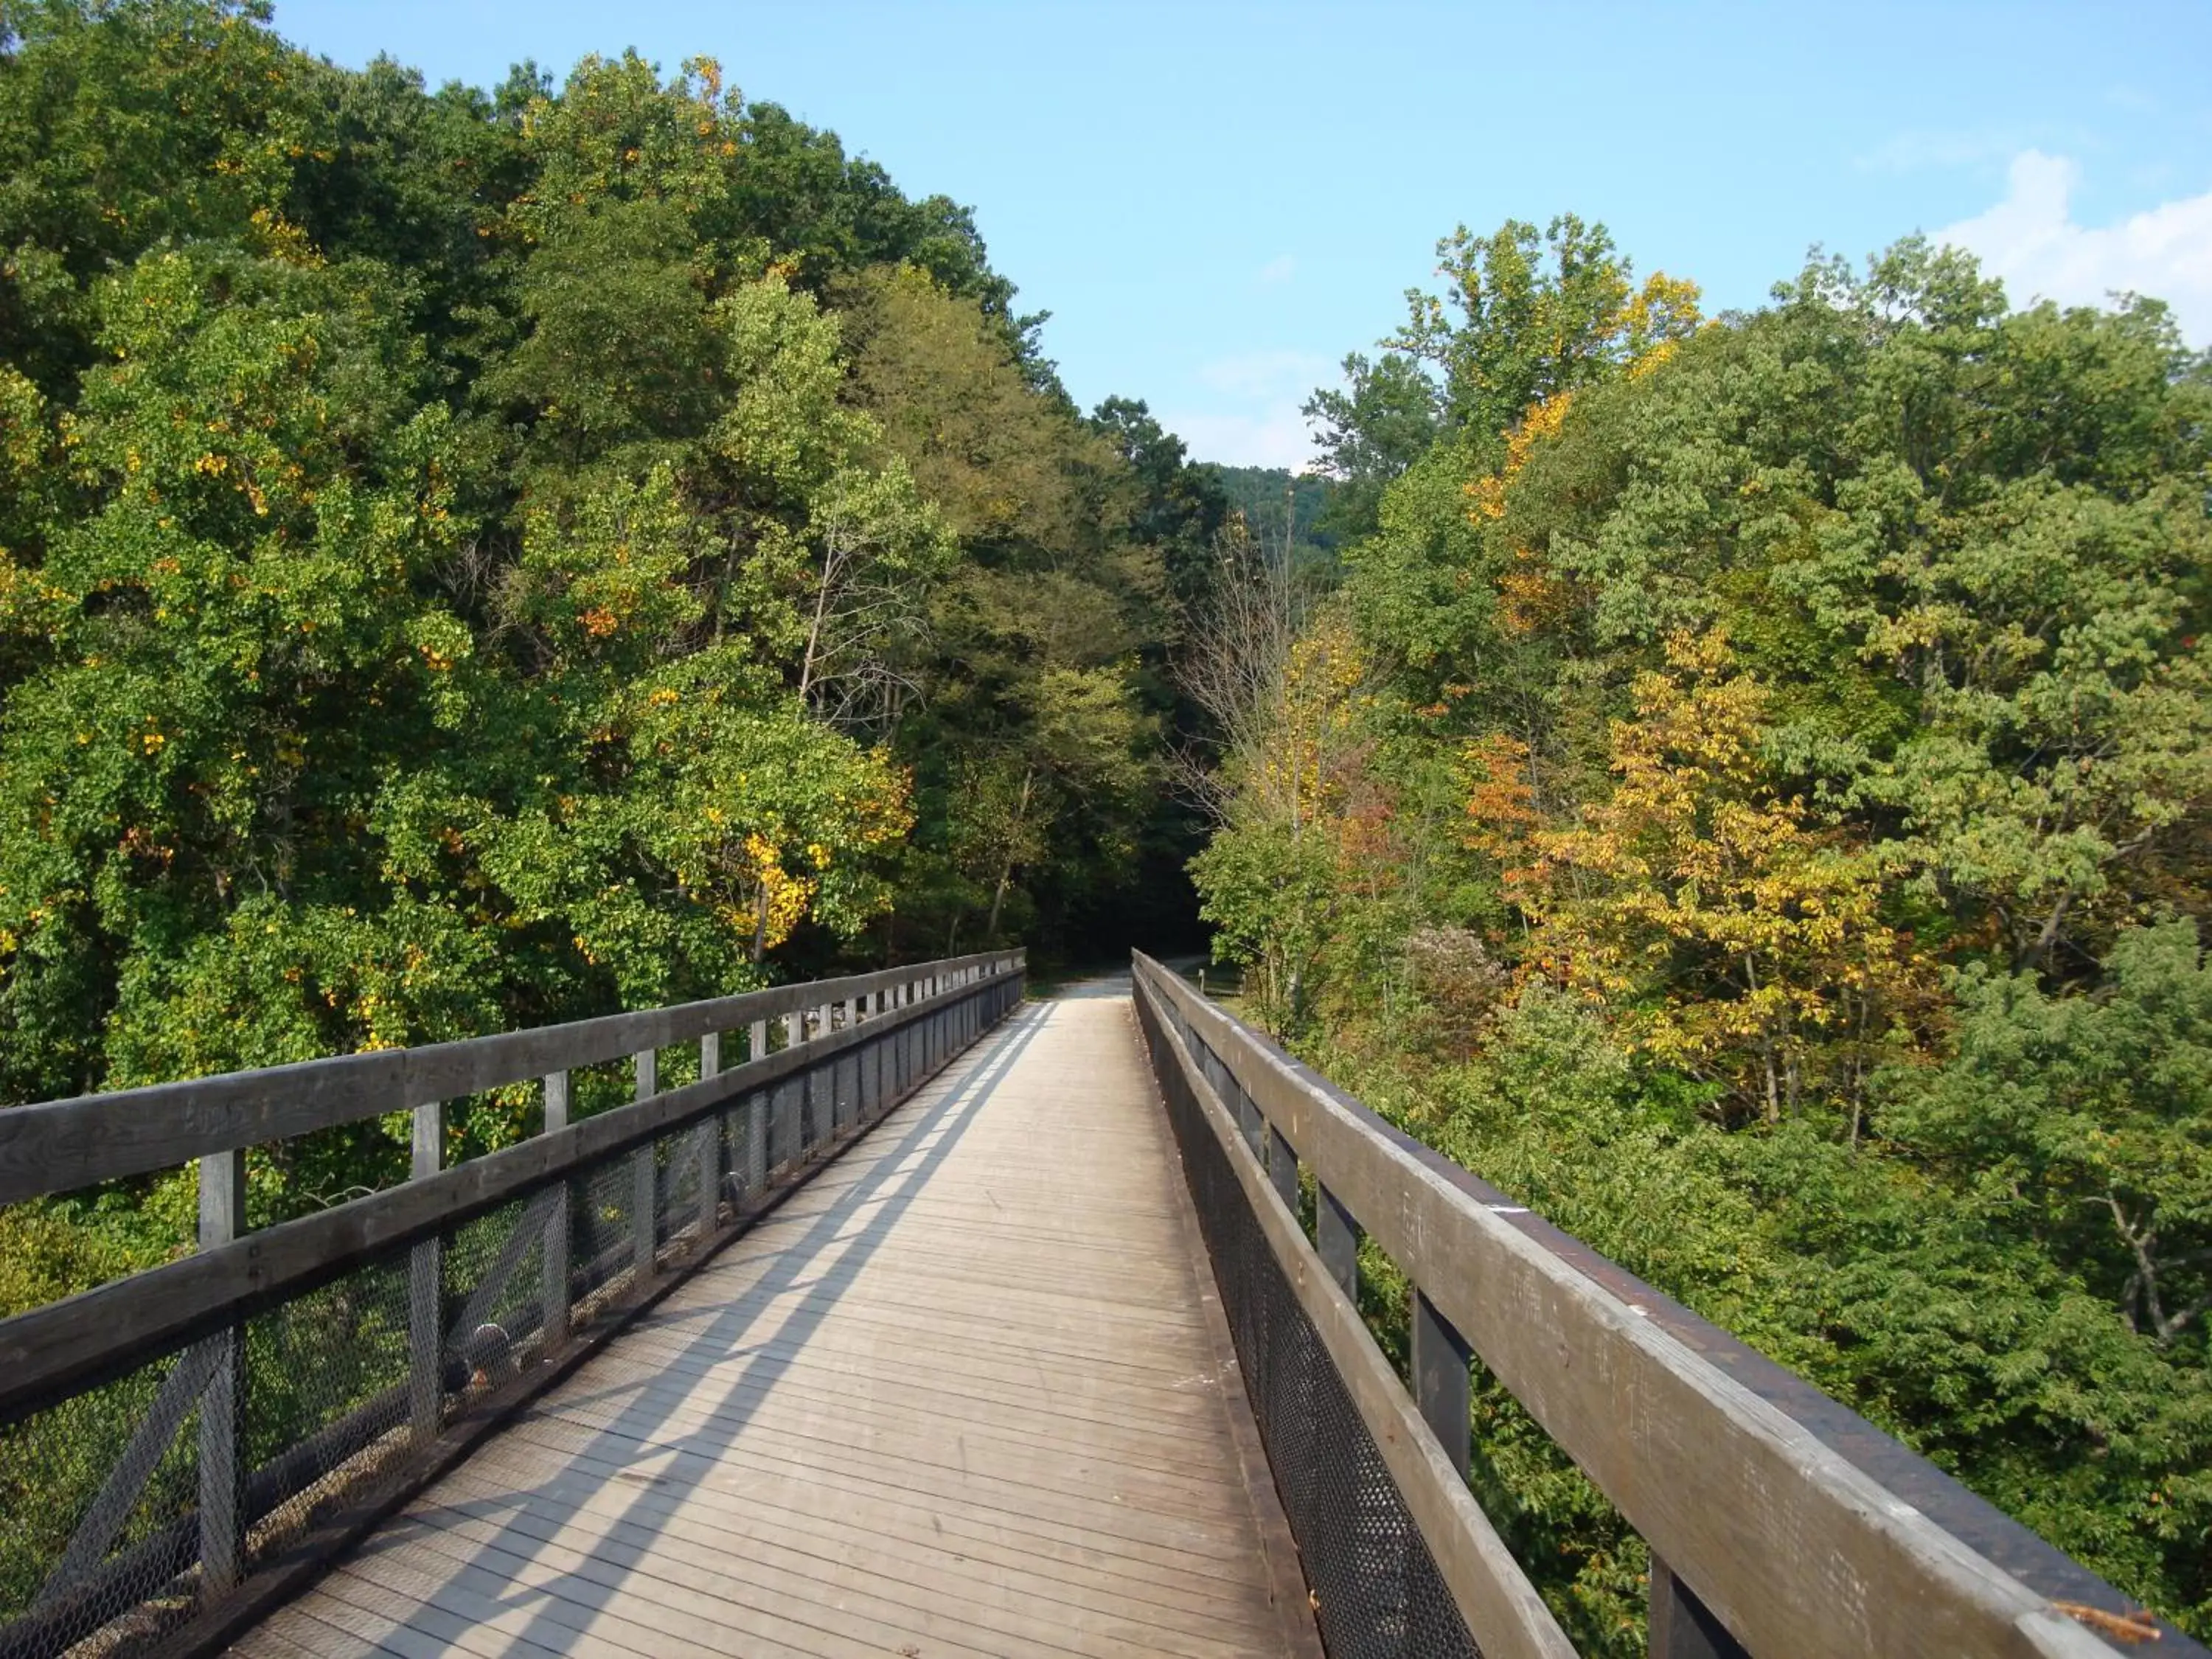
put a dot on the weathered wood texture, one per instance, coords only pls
(1503, 1610)
(958, 1396)
(1802, 1527)
(62, 1146)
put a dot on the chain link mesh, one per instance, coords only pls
(1376, 1591)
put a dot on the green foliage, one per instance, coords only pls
(1380, 424)
(2087, 1120)
(468, 560)
(1182, 510)
(1811, 922)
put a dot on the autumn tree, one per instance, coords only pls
(1747, 943)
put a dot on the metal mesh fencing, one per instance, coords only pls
(602, 1253)
(326, 1395)
(1376, 1591)
(144, 1496)
(58, 1477)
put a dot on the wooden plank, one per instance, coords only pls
(717, 1488)
(915, 1404)
(1077, 1468)
(62, 1146)
(951, 1391)
(845, 1435)
(1795, 1548)
(950, 1543)
(325, 1640)
(1220, 1535)
(854, 1594)
(504, 1591)
(420, 1620)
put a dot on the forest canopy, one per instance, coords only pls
(474, 559)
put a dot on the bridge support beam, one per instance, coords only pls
(426, 1286)
(222, 1407)
(1441, 1382)
(1682, 1626)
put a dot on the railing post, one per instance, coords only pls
(757, 1127)
(789, 1093)
(1441, 1384)
(1336, 1236)
(645, 1172)
(871, 1072)
(553, 1279)
(756, 1040)
(710, 1142)
(1282, 1166)
(1682, 1626)
(222, 1407)
(426, 1286)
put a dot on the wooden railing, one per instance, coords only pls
(334, 1362)
(1780, 1523)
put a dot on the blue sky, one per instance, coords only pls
(1217, 201)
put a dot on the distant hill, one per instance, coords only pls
(1258, 492)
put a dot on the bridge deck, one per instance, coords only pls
(967, 1393)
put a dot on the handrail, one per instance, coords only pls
(302, 1379)
(48, 1350)
(63, 1145)
(1503, 1614)
(1779, 1521)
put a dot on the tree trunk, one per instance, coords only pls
(821, 609)
(1007, 870)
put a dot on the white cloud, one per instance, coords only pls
(1265, 375)
(1275, 436)
(1280, 269)
(1252, 418)
(2030, 239)
(1925, 147)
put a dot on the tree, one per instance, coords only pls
(1795, 728)
(2086, 1121)
(1372, 431)
(1180, 508)
(1298, 812)
(1747, 944)
(1538, 316)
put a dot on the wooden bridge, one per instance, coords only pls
(939, 1322)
